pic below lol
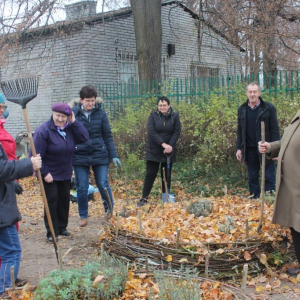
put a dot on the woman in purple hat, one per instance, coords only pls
(55, 140)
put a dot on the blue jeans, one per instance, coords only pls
(82, 185)
(253, 165)
(10, 253)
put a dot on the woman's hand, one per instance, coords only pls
(72, 118)
(264, 147)
(168, 148)
(48, 178)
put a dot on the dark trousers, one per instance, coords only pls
(253, 165)
(152, 168)
(296, 241)
(58, 198)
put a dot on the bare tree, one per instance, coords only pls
(148, 35)
(267, 29)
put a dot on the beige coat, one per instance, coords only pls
(287, 201)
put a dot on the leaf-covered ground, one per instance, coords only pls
(161, 222)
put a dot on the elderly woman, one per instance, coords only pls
(55, 141)
(287, 200)
(164, 128)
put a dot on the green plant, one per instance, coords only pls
(184, 287)
(74, 284)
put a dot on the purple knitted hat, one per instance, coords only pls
(62, 108)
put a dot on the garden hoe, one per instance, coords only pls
(21, 91)
(263, 176)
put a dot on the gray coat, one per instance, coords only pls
(287, 201)
(10, 171)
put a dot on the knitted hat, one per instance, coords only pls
(2, 101)
(62, 108)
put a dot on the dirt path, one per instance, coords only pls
(38, 257)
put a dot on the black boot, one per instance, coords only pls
(142, 202)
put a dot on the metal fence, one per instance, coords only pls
(118, 95)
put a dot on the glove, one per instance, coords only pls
(18, 188)
(117, 162)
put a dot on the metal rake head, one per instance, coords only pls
(21, 90)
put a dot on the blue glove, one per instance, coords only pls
(117, 162)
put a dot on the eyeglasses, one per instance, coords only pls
(163, 105)
(90, 101)
(4, 107)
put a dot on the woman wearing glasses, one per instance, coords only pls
(163, 132)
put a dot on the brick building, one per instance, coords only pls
(90, 48)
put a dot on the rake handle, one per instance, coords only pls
(39, 175)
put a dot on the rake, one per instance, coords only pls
(21, 91)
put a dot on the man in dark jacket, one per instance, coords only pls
(250, 115)
(10, 248)
(97, 152)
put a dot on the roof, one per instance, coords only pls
(110, 15)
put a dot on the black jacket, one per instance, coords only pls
(267, 114)
(100, 147)
(10, 171)
(162, 129)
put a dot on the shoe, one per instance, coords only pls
(20, 282)
(293, 271)
(83, 222)
(50, 239)
(142, 202)
(65, 233)
(91, 197)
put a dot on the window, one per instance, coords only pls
(201, 71)
(127, 66)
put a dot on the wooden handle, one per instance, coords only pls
(39, 175)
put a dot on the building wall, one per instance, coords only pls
(65, 61)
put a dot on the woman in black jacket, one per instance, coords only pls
(163, 132)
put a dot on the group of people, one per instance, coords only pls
(78, 137)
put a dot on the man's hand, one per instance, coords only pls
(36, 162)
(239, 155)
(264, 147)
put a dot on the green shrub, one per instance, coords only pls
(207, 145)
(74, 284)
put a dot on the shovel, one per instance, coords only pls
(21, 91)
(263, 175)
(168, 180)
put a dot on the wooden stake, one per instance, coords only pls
(140, 222)
(263, 177)
(147, 264)
(245, 273)
(118, 224)
(177, 238)
(206, 265)
(12, 277)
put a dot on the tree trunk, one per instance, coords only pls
(148, 35)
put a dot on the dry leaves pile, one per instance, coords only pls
(202, 235)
